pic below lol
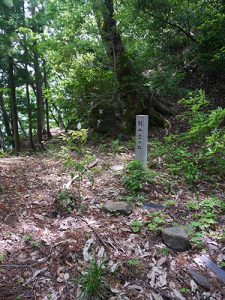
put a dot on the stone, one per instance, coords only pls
(118, 207)
(199, 279)
(117, 168)
(141, 150)
(153, 206)
(176, 238)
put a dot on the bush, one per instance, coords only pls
(136, 176)
(201, 149)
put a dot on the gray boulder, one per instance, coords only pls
(118, 207)
(199, 279)
(176, 238)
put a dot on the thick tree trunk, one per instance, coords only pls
(134, 101)
(38, 85)
(5, 117)
(12, 90)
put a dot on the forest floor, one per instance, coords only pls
(44, 250)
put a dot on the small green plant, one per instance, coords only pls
(2, 154)
(197, 240)
(164, 251)
(192, 206)
(222, 264)
(116, 147)
(170, 203)
(136, 176)
(1, 258)
(136, 226)
(76, 139)
(133, 262)
(102, 147)
(35, 244)
(205, 218)
(27, 237)
(185, 291)
(155, 221)
(131, 144)
(66, 200)
(91, 281)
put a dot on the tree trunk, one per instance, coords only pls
(29, 109)
(22, 128)
(12, 90)
(46, 103)
(60, 118)
(29, 113)
(5, 117)
(38, 85)
(134, 101)
(2, 140)
(39, 100)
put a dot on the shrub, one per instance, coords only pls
(136, 176)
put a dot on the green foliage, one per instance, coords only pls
(185, 291)
(155, 221)
(137, 176)
(206, 132)
(116, 146)
(170, 203)
(164, 251)
(135, 226)
(184, 164)
(28, 239)
(1, 258)
(133, 262)
(76, 139)
(2, 154)
(206, 213)
(222, 264)
(91, 281)
(67, 200)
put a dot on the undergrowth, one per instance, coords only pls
(200, 151)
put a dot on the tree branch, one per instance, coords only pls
(173, 25)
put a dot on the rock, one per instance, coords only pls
(153, 206)
(118, 206)
(176, 238)
(117, 168)
(199, 279)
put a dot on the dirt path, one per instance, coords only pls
(44, 251)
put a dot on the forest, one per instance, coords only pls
(80, 216)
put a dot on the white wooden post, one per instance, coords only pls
(141, 150)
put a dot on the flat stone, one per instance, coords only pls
(117, 168)
(199, 279)
(118, 207)
(176, 238)
(153, 206)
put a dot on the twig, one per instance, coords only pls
(70, 182)
(97, 235)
